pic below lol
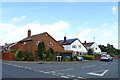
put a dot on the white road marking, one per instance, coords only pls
(41, 71)
(88, 66)
(71, 75)
(46, 72)
(64, 76)
(19, 66)
(62, 70)
(80, 77)
(60, 73)
(96, 74)
(15, 65)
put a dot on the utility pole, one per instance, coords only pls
(93, 39)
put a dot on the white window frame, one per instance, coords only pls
(50, 44)
(79, 46)
(37, 42)
(74, 46)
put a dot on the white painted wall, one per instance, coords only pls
(77, 49)
(67, 47)
(96, 48)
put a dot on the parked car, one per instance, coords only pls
(79, 58)
(106, 57)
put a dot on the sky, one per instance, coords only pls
(83, 20)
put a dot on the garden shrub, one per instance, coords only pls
(97, 54)
(87, 57)
(67, 59)
(36, 60)
(18, 55)
(29, 56)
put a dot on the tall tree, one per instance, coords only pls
(41, 50)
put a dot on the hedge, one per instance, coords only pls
(87, 57)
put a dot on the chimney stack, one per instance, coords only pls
(64, 38)
(29, 33)
(85, 45)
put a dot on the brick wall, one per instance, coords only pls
(8, 56)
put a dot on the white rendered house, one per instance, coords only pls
(74, 45)
(92, 45)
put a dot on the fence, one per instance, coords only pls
(8, 56)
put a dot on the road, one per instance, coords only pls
(79, 70)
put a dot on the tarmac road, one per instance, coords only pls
(78, 70)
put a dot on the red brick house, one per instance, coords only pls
(30, 43)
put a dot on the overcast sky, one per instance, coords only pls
(83, 20)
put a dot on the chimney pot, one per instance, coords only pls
(85, 45)
(64, 38)
(29, 33)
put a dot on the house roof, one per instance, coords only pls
(31, 38)
(68, 41)
(89, 44)
(8, 45)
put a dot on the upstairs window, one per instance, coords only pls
(24, 42)
(37, 42)
(50, 44)
(79, 46)
(73, 46)
(95, 48)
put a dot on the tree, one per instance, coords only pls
(41, 50)
(90, 51)
(110, 49)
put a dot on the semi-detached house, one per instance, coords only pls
(73, 44)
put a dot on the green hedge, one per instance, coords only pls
(87, 57)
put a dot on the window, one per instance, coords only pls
(95, 48)
(79, 46)
(50, 44)
(24, 42)
(37, 42)
(73, 46)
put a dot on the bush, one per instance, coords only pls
(29, 56)
(18, 55)
(23, 59)
(36, 60)
(87, 57)
(67, 59)
(13, 50)
(97, 54)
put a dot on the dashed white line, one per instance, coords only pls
(80, 77)
(64, 76)
(71, 75)
(41, 71)
(88, 66)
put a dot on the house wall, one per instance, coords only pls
(67, 47)
(96, 48)
(79, 49)
(31, 46)
(46, 38)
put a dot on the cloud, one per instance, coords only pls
(115, 10)
(12, 33)
(18, 19)
(105, 24)
(105, 35)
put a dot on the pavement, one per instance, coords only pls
(75, 70)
